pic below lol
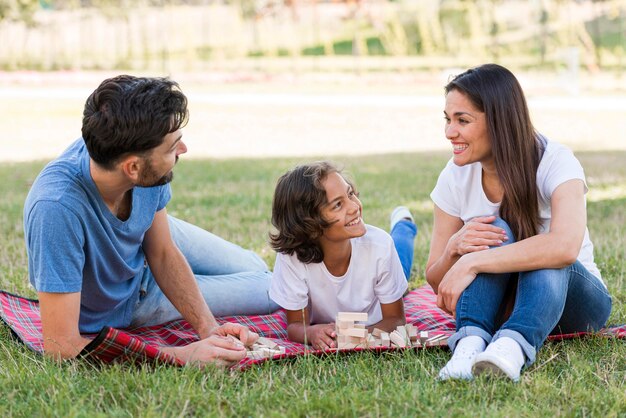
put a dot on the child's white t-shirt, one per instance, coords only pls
(374, 276)
(459, 192)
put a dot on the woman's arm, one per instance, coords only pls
(300, 330)
(451, 239)
(393, 315)
(557, 248)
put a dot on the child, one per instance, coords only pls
(329, 261)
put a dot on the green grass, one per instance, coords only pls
(232, 198)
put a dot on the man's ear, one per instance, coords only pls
(132, 166)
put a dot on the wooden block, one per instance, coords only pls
(384, 339)
(346, 346)
(376, 332)
(440, 339)
(402, 331)
(397, 339)
(411, 331)
(423, 336)
(344, 324)
(356, 332)
(256, 355)
(267, 342)
(352, 316)
(361, 326)
(268, 352)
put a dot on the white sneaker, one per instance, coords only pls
(398, 214)
(460, 365)
(503, 357)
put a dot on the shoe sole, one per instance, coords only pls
(490, 369)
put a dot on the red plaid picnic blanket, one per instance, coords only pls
(141, 345)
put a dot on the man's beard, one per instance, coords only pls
(150, 178)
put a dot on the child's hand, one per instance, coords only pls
(322, 336)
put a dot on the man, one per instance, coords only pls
(102, 249)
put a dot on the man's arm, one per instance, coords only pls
(59, 321)
(175, 278)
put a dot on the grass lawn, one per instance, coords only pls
(232, 198)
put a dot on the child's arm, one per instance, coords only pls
(320, 336)
(393, 315)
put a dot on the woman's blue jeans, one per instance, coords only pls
(547, 301)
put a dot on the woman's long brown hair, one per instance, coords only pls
(515, 145)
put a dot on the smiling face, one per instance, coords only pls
(466, 129)
(157, 170)
(343, 210)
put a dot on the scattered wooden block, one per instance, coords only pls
(397, 339)
(384, 339)
(264, 348)
(423, 337)
(411, 331)
(376, 332)
(437, 340)
(267, 342)
(402, 331)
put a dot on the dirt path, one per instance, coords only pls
(316, 115)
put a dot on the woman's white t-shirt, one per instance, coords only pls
(374, 276)
(459, 192)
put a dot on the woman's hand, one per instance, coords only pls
(322, 336)
(476, 235)
(455, 281)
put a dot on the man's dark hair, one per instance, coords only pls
(128, 114)
(296, 211)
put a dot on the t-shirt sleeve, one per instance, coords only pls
(164, 198)
(288, 288)
(55, 242)
(561, 167)
(391, 283)
(444, 195)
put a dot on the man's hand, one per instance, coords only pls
(217, 349)
(322, 336)
(240, 332)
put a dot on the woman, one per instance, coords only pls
(510, 190)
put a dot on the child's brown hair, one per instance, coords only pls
(296, 211)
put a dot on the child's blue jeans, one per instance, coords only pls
(403, 235)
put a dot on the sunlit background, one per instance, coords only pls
(311, 78)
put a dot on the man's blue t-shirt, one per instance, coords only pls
(75, 243)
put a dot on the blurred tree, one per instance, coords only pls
(19, 10)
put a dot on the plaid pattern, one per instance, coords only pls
(141, 345)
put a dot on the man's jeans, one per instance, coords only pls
(547, 301)
(232, 280)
